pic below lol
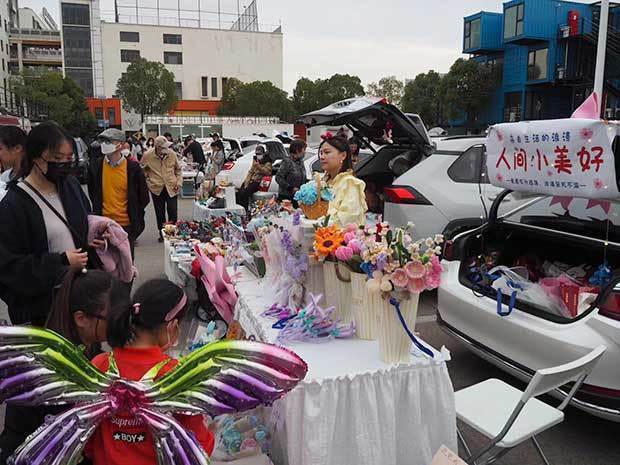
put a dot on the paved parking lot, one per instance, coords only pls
(580, 440)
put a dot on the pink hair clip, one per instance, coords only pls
(328, 135)
(136, 308)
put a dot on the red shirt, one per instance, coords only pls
(124, 439)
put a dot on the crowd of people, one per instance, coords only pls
(55, 270)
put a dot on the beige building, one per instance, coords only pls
(201, 59)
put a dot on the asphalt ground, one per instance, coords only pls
(580, 440)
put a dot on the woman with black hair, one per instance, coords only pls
(261, 167)
(349, 203)
(79, 314)
(12, 151)
(43, 226)
(140, 332)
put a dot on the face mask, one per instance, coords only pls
(260, 157)
(57, 171)
(172, 341)
(108, 147)
(125, 152)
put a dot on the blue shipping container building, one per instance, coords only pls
(544, 52)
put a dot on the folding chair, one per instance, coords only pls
(509, 416)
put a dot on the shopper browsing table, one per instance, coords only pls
(117, 186)
(164, 179)
(292, 172)
(261, 167)
(43, 226)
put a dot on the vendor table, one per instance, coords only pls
(352, 408)
(202, 212)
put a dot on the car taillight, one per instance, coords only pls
(264, 184)
(405, 195)
(228, 165)
(448, 250)
(611, 306)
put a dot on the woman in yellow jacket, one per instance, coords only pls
(349, 203)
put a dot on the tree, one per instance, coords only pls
(467, 88)
(259, 98)
(424, 96)
(388, 87)
(47, 95)
(311, 95)
(147, 88)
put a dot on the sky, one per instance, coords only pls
(367, 38)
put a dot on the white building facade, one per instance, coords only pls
(200, 59)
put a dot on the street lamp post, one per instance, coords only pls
(599, 76)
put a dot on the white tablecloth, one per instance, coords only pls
(202, 212)
(179, 272)
(352, 408)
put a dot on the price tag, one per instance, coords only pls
(445, 456)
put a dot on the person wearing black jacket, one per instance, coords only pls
(198, 155)
(43, 226)
(292, 172)
(117, 187)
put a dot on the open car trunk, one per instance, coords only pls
(555, 259)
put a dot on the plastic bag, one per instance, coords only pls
(514, 282)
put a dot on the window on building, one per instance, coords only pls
(173, 58)
(2, 45)
(130, 56)
(112, 115)
(472, 34)
(512, 107)
(175, 39)
(537, 64)
(3, 65)
(178, 89)
(213, 87)
(469, 166)
(513, 21)
(76, 44)
(224, 84)
(497, 67)
(83, 77)
(535, 106)
(205, 86)
(129, 36)
(75, 14)
(98, 113)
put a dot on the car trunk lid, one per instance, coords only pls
(372, 118)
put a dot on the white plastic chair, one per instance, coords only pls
(509, 416)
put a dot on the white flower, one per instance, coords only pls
(410, 225)
(429, 242)
(438, 250)
(438, 238)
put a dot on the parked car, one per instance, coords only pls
(535, 335)
(447, 192)
(80, 150)
(397, 141)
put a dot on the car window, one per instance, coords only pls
(470, 167)
(248, 143)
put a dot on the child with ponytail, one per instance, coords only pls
(139, 333)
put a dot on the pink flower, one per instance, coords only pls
(416, 286)
(598, 184)
(348, 237)
(400, 278)
(351, 227)
(356, 246)
(344, 253)
(586, 133)
(415, 270)
(433, 277)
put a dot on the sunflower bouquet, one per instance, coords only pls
(327, 240)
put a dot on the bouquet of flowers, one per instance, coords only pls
(326, 241)
(313, 198)
(394, 262)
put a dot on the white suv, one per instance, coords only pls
(447, 192)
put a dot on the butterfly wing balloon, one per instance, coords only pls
(39, 367)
